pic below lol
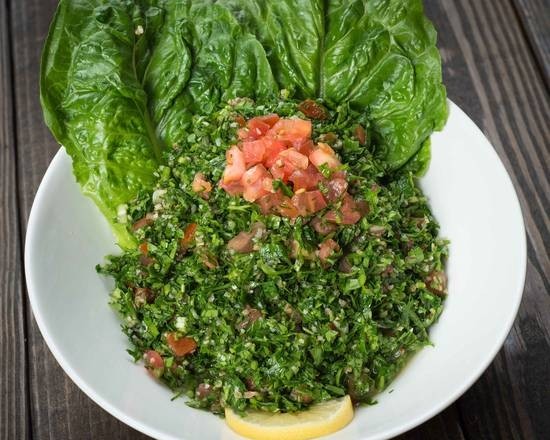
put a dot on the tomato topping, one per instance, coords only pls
(309, 202)
(252, 175)
(313, 110)
(254, 191)
(287, 208)
(305, 147)
(144, 221)
(336, 188)
(281, 170)
(348, 214)
(239, 119)
(327, 248)
(322, 226)
(350, 211)
(305, 179)
(143, 248)
(188, 235)
(201, 186)
(153, 359)
(242, 134)
(253, 152)
(270, 119)
(291, 130)
(281, 149)
(272, 150)
(361, 134)
(257, 128)
(154, 363)
(235, 165)
(294, 159)
(253, 183)
(181, 346)
(243, 242)
(233, 189)
(324, 155)
(269, 204)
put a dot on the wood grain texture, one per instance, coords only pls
(488, 49)
(14, 408)
(59, 410)
(535, 17)
(489, 71)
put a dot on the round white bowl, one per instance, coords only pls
(470, 194)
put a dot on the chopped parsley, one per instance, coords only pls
(277, 328)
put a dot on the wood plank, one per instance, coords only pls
(489, 72)
(59, 409)
(14, 405)
(535, 17)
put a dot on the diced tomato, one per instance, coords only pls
(281, 169)
(350, 211)
(188, 235)
(239, 119)
(243, 134)
(363, 207)
(235, 167)
(348, 214)
(361, 134)
(287, 208)
(304, 147)
(254, 191)
(323, 154)
(327, 248)
(253, 183)
(253, 152)
(267, 184)
(243, 241)
(294, 159)
(272, 149)
(270, 203)
(181, 346)
(253, 174)
(309, 202)
(201, 186)
(322, 226)
(291, 130)
(269, 119)
(143, 248)
(257, 128)
(305, 179)
(153, 359)
(233, 188)
(336, 187)
(313, 110)
(148, 220)
(154, 363)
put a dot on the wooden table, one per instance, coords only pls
(496, 58)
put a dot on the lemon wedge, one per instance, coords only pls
(319, 419)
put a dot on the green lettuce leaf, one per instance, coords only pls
(120, 81)
(378, 55)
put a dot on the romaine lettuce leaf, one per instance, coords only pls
(378, 55)
(121, 79)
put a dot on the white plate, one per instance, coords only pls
(472, 197)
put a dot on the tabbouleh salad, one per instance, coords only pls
(237, 304)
